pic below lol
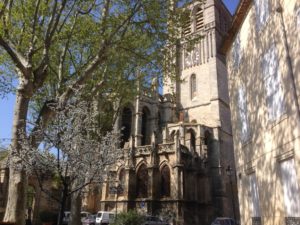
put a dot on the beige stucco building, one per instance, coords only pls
(263, 60)
(179, 144)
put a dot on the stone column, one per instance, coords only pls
(130, 187)
(177, 148)
(214, 43)
(181, 133)
(138, 123)
(215, 173)
(178, 192)
(165, 135)
(198, 141)
(104, 194)
(152, 187)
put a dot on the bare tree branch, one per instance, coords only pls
(19, 60)
(2, 10)
(64, 52)
(40, 73)
(35, 18)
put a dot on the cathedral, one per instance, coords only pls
(178, 144)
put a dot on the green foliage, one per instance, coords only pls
(135, 33)
(129, 218)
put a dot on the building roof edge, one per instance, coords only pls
(238, 19)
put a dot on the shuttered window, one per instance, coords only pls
(273, 84)
(243, 114)
(262, 12)
(291, 190)
(254, 196)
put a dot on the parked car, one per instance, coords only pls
(67, 214)
(104, 217)
(223, 221)
(84, 215)
(153, 220)
(66, 217)
(90, 220)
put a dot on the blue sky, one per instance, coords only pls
(231, 5)
(7, 104)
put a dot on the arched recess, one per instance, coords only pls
(159, 122)
(126, 125)
(172, 136)
(193, 86)
(142, 181)
(146, 137)
(165, 181)
(208, 144)
(198, 18)
(191, 136)
(105, 114)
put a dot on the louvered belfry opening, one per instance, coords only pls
(187, 27)
(194, 22)
(199, 19)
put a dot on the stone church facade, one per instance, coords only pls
(179, 144)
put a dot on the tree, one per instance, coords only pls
(55, 47)
(74, 153)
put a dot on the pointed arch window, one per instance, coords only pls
(165, 181)
(122, 181)
(142, 182)
(172, 136)
(145, 127)
(207, 146)
(193, 86)
(126, 125)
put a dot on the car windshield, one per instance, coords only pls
(83, 215)
(91, 216)
(99, 214)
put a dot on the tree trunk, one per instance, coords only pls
(62, 205)
(15, 207)
(16, 201)
(75, 218)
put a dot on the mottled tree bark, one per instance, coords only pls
(16, 201)
(75, 218)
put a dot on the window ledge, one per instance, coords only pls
(273, 123)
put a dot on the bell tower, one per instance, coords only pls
(201, 88)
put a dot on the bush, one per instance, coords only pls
(129, 218)
(47, 216)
